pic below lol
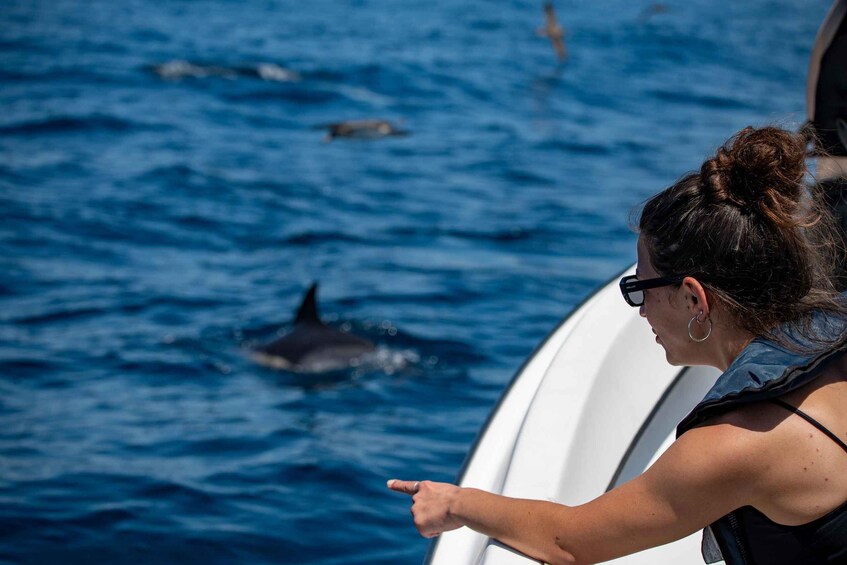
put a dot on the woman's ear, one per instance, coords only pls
(696, 299)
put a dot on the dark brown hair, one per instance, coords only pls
(752, 232)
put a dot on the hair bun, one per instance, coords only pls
(758, 170)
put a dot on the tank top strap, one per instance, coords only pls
(809, 419)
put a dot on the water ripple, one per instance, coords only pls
(72, 125)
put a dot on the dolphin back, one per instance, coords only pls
(312, 346)
(317, 345)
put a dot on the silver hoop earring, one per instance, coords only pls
(708, 333)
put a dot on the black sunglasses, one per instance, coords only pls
(633, 289)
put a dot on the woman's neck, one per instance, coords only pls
(731, 349)
(730, 341)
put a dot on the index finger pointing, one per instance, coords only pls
(406, 487)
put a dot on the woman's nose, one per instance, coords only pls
(641, 311)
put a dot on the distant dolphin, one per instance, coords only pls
(361, 129)
(179, 69)
(312, 346)
(554, 31)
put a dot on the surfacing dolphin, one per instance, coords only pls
(312, 346)
(361, 129)
(179, 69)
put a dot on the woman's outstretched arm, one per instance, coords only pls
(704, 475)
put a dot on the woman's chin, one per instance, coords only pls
(672, 359)
(677, 360)
(669, 356)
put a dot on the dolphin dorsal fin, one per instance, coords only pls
(308, 311)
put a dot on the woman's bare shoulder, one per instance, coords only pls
(730, 444)
(794, 471)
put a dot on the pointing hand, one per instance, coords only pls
(433, 505)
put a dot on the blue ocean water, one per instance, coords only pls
(154, 228)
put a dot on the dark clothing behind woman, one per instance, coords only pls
(827, 110)
(835, 191)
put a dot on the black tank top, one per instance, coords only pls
(822, 541)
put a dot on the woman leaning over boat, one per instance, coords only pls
(735, 270)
